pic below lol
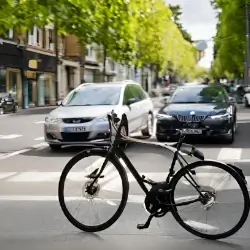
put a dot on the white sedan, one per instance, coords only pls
(82, 115)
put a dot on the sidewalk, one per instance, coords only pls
(35, 111)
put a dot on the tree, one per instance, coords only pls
(176, 11)
(130, 31)
(230, 38)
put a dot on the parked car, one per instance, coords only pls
(246, 97)
(198, 110)
(82, 115)
(7, 104)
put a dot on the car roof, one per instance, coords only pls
(109, 84)
(200, 86)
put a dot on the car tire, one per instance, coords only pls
(246, 102)
(148, 131)
(230, 138)
(55, 147)
(15, 109)
(124, 144)
(161, 139)
(1, 111)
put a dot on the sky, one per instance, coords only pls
(199, 19)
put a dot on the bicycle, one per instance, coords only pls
(160, 197)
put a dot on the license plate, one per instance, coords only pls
(8, 102)
(77, 129)
(192, 131)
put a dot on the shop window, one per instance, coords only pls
(12, 84)
(2, 80)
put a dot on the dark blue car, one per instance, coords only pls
(199, 111)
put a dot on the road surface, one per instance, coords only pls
(32, 219)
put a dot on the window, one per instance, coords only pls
(86, 51)
(139, 92)
(199, 95)
(127, 94)
(93, 95)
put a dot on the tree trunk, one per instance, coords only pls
(104, 63)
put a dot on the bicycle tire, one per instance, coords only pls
(125, 187)
(238, 179)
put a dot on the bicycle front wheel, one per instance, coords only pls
(104, 202)
(226, 207)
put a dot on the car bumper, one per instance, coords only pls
(209, 128)
(59, 133)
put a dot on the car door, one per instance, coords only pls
(132, 111)
(143, 104)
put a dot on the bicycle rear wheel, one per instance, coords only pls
(227, 197)
(113, 198)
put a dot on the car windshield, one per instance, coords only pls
(199, 94)
(93, 95)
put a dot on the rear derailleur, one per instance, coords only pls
(156, 203)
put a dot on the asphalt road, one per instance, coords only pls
(32, 219)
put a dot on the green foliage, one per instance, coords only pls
(176, 10)
(230, 38)
(131, 31)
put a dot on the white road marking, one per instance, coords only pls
(39, 139)
(39, 122)
(43, 144)
(14, 153)
(7, 174)
(11, 136)
(229, 154)
(111, 202)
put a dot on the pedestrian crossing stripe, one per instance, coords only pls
(10, 136)
(39, 122)
(112, 181)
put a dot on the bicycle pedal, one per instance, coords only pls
(147, 224)
(142, 226)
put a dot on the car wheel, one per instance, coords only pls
(148, 131)
(1, 111)
(231, 136)
(161, 139)
(124, 130)
(55, 147)
(246, 102)
(15, 109)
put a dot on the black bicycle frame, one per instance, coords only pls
(114, 149)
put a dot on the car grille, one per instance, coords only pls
(75, 137)
(191, 118)
(77, 120)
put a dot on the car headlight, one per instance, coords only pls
(101, 119)
(49, 119)
(163, 116)
(222, 116)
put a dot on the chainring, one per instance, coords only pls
(154, 201)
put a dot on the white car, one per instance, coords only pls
(82, 115)
(246, 97)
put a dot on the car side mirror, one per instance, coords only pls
(59, 103)
(131, 101)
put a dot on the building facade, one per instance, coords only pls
(28, 67)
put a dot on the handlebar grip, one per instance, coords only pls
(198, 154)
